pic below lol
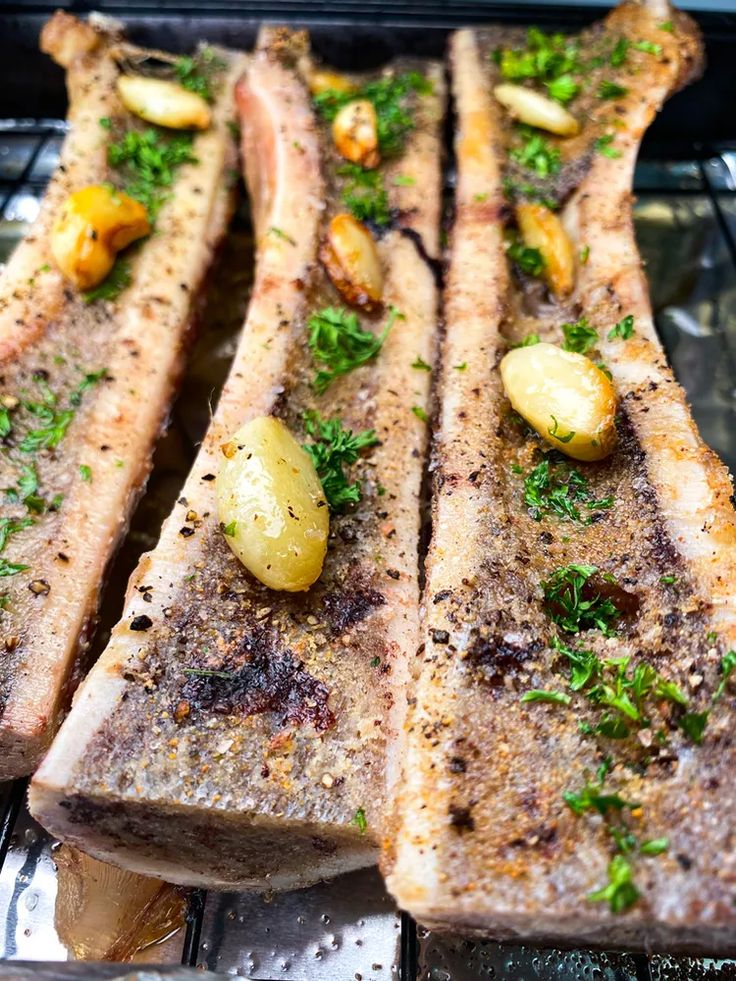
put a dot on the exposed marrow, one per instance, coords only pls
(233, 736)
(528, 818)
(85, 383)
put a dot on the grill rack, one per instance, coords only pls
(705, 172)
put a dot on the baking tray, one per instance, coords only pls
(686, 227)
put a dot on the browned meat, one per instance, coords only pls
(569, 756)
(234, 736)
(85, 385)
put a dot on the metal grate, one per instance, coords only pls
(686, 222)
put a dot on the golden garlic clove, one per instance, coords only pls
(321, 81)
(271, 506)
(355, 132)
(350, 256)
(569, 401)
(535, 109)
(542, 229)
(95, 223)
(164, 103)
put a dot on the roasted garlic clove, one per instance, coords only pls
(542, 229)
(350, 256)
(355, 132)
(569, 401)
(163, 102)
(95, 223)
(321, 81)
(535, 109)
(271, 506)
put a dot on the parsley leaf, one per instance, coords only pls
(118, 279)
(536, 153)
(618, 55)
(198, 73)
(364, 194)
(541, 695)
(563, 89)
(574, 605)
(390, 98)
(648, 47)
(147, 161)
(332, 449)
(623, 329)
(693, 725)
(620, 893)
(579, 337)
(360, 821)
(728, 664)
(611, 90)
(338, 342)
(554, 430)
(529, 260)
(603, 146)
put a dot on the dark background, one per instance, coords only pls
(358, 34)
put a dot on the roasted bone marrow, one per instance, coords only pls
(569, 751)
(95, 308)
(253, 693)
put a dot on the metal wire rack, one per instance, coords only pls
(686, 220)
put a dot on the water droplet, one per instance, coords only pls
(31, 900)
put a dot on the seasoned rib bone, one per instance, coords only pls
(232, 736)
(126, 355)
(485, 841)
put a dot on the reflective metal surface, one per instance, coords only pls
(349, 928)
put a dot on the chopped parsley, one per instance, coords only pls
(148, 161)
(623, 329)
(555, 488)
(728, 664)
(117, 280)
(360, 821)
(364, 194)
(420, 364)
(339, 343)
(584, 254)
(420, 413)
(620, 893)
(573, 603)
(390, 97)
(611, 90)
(667, 25)
(198, 73)
(603, 146)
(554, 431)
(333, 448)
(563, 89)
(648, 47)
(693, 725)
(529, 341)
(404, 180)
(85, 472)
(548, 58)
(536, 153)
(580, 337)
(618, 55)
(280, 234)
(541, 695)
(528, 259)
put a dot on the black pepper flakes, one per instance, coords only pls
(186, 532)
(141, 622)
(393, 573)
(440, 636)
(40, 587)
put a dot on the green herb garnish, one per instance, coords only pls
(554, 430)
(420, 413)
(85, 472)
(529, 260)
(536, 153)
(148, 162)
(620, 893)
(420, 364)
(364, 194)
(338, 342)
(118, 279)
(558, 489)
(580, 337)
(603, 146)
(198, 73)
(648, 47)
(574, 605)
(390, 97)
(541, 695)
(611, 90)
(623, 329)
(333, 448)
(360, 821)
